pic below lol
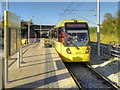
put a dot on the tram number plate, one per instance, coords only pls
(77, 52)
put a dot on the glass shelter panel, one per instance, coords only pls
(14, 32)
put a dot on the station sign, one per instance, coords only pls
(13, 19)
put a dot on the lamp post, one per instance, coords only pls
(30, 19)
(98, 27)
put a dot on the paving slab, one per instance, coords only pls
(41, 68)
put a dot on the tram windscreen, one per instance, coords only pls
(77, 38)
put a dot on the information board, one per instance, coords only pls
(14, 31)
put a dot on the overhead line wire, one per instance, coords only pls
(65, 11)
(77, 5)
(84, 18)
(79, 15)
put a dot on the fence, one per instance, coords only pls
(115, 52)
(107, 50)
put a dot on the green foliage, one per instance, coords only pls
(110, 29)
(118, 14)
(110, 24)
(108, 16)
(24, 28)
(93, 30)
(118, 31)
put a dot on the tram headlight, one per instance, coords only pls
(68, 51)
(87, 50)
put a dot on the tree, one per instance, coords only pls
(111, 25)
(24, 28)
(108, 16)
(108, 24)
(93, 30)
(118, 14)
(118, 23)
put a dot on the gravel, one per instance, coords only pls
(106, 67)
(86, 77)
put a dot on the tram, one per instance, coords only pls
(71, 40)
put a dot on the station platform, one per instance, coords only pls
(41, 68)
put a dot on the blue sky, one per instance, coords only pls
(50, 12)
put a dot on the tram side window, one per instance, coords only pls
(59, 35)
(62, 37)
(54, 34)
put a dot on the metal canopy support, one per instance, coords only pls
(28, 32)
(1, 58)
(98, 27)
(1, 74)
(6, 45)
(29, 21)
(7, 4)
(40, 30)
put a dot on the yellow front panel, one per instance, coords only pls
(77, 55)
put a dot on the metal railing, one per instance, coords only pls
(107, 50)
(115, 52)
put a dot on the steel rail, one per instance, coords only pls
(95, 73)
(76, 81)
(107, 81)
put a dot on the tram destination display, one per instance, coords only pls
(75, 25)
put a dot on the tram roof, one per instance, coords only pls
(62, 23)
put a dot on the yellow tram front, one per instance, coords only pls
(73, 40)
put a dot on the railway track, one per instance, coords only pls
(87, 78)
